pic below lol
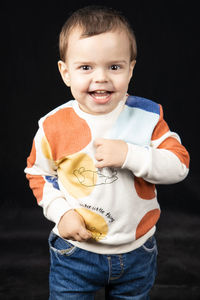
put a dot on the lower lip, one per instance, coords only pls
(100, 100)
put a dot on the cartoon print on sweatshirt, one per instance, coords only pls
(79, 175)
(94, 178)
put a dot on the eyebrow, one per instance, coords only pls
(110, 62)
(82, 63)
(118, 62)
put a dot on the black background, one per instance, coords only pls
(167, 71)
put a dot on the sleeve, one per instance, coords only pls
(41, 171)
(164, 161)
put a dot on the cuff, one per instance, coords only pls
(57, 209)
(138, 159)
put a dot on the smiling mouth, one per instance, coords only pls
(101, 96)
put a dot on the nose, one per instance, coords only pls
(100, 76)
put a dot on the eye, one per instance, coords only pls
(115, 67)
(85, 68)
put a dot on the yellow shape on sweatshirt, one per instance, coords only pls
(95, 223)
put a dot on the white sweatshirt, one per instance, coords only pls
(119, 206)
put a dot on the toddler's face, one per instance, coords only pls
(98, 70)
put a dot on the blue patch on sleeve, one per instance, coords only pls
(143, 103)
(53, 180)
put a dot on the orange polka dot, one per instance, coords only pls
(179, 150)
(31, 159)
(66, 133)
(144, 189)
(147, 222)
(161, 128)
(36, 183)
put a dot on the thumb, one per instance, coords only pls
(84, 233)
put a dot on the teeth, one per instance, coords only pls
(100, 92)
(101, 97)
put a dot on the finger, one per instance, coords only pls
(85, 234)
(98, 142)
(101, 164)
(98, 156)
(78, 238)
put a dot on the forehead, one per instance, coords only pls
(115, 43)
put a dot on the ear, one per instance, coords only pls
(64, 72)
(132, 66)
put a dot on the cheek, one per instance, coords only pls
(122, 83)
(79, 81)
(79, 84)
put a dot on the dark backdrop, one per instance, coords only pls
(167, 72)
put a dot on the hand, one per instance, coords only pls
(72, 227)
(110, 153)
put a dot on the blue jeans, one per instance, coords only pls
(78, 274)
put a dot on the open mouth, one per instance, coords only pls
(101, 96)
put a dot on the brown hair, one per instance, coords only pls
(94, 20)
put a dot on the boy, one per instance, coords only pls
(95, 161)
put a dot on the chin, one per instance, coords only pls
(102, 109)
